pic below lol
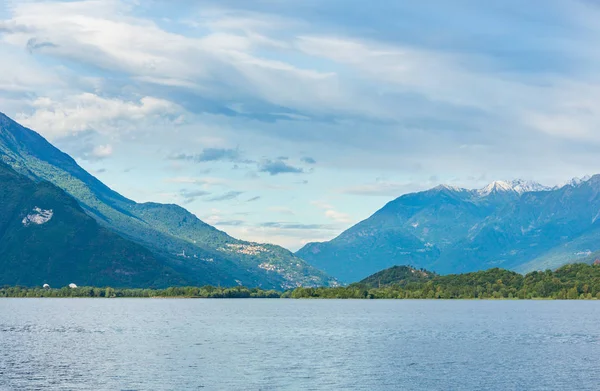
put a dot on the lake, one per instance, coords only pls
(247, 344)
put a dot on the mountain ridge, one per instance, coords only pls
(519, 186)
(188, 244)
(517, 225)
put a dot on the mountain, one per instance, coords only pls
(518, 186)
(397, 275)
(197, 251)
(517, 225)
(45, 237)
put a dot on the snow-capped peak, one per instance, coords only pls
(495, 187)
(518, 186)
(448, 187)
(522, 186)
(575, 181)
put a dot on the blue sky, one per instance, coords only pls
(287, 122)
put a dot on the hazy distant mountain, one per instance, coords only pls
(517, 225)
(199, 252)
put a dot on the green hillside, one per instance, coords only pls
(198, 251)
(573, 281)
(45, 237)
(397, 275)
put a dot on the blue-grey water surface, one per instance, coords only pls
(146, 344)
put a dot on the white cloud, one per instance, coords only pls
(442, 77)
(338, 217)
(321, 204)
(292, 239)
(379, 188)
(207, 182)
(331, 213)
(226, 63)
(102, 151)
(571, 114)
(88, 111)
(103, 35)
(389, 187)
(281, 210)
(27, 77)
(526, 103)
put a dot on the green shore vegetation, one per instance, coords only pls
(573, 281)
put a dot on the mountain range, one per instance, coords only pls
(59, 223)
(517, 225)
(171, 245)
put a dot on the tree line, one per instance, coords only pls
(208, 292)
(573, 281)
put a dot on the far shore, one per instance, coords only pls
(578, 281)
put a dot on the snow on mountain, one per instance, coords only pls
(450, 188)
(523, 186)
(575, 182)
(518, 186)
(495, 187)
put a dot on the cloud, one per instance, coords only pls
(194, 193)
(212, 155)
(231, 223)
(275, 167)
(281, 210)
(190, 196)
(308, 160)
(355, 84)
(384, 188)
(321, 204)
(86, 146)
(34, 44)
(338, 217)
(219, 68)
(288, 234)
(331, 213)
(216, 69)
(102, 151)
(284, 225)
(87, 111)
(203, 181)
(230, 195)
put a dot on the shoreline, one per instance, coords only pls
(570, 282)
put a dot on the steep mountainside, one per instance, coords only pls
(45, 237)
(516, 225)
(187, 244)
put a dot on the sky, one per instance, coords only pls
(288, 122)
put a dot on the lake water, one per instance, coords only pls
(146, 344)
